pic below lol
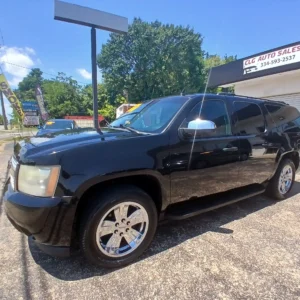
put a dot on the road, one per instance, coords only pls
(248, 250)
(7, 134)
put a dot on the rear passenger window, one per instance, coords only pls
(274, 112)
(248, 118)
(285, 117)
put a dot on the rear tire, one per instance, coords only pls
(119, 227)
(282, 182)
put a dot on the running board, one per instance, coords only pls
(198, 206)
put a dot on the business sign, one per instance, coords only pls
(81, 15)
(11, 97)
(31, 113)
(41, 103)
(273, 59)
(31, 120)
(29, 106)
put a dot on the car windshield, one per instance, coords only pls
(58, 124)
(156, 116)
(141, 107)
(121, 120)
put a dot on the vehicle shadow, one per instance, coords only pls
(168, 235)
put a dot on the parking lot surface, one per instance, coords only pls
(248, 250)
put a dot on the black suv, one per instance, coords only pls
(105, 191)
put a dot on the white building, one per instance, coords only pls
(273, 74)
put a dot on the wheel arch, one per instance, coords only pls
(294, 156)
(146, 181)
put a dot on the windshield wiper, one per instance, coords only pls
(126, 128)
(130, 129)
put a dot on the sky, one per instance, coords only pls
(33, 39)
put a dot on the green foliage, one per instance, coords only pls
(108, 110)
(152, 60)
(15, 119)
(26, 88)
(211, 61)
(62, 96)
(1, 119)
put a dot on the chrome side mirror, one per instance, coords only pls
(199, 124)
(198, 128)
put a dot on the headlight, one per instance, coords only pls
(38, 180)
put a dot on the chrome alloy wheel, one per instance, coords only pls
(285, 179)
(122, 229)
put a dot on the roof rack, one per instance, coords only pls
(248, 97)
(226, 93)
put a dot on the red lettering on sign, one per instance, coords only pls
(298, 48)
(279, 53)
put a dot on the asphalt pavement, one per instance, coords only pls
(248, 250)
(9, 134)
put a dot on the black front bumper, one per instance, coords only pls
(48, 221)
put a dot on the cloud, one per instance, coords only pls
(17, 62)
(30, 50)
(84, 73)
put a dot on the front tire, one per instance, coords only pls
(119, 227)
(282, 182)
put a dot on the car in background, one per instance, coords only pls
(55, 125)
(125, 118)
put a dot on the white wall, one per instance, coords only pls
(268, 86)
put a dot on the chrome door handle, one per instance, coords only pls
(231, 149)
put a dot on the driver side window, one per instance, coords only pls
(212, 110)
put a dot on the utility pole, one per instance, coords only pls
(94, 77)
(96, 19)
(3, 111)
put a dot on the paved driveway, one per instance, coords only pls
(248, 250)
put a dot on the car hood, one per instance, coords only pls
(55, 142)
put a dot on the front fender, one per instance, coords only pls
(163, 182)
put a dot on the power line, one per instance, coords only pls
(16, 65)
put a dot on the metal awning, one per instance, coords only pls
(282, 59)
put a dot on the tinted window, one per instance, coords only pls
(248, 118)
(157, 115)
(272, 108)
(122, 120)
(58, 124)
(285, 117)
(215, 111)
(141, 107)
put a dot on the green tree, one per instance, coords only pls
(15, 119)
(1, 119)
(211, 61)
(62, 96)
(106, 109)
(152, 60)
(26, 88)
